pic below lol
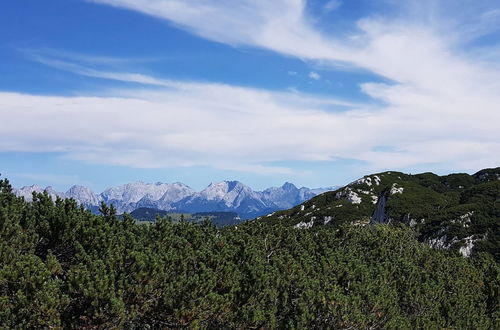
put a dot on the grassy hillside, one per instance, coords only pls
(457, 211)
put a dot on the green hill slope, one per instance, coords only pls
(457, 211)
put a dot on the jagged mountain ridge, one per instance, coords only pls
(225, 196)
(131, 196)
(456, 211)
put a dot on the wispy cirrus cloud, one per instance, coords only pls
(92, 66)
(284, 26)
(86, 59)
(278, 25)
(426, 48)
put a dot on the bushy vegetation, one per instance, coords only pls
(64, 267)
(455, 209)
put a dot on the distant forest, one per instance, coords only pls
(63, 267)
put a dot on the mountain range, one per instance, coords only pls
(225, 196)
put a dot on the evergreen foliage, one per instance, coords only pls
(452, 210)
(63, 267)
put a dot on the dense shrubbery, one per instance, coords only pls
(456, 210)
(62, 266)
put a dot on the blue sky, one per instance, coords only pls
(318, 93)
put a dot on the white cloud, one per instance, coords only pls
(47, 53)
(314, 75)
(332, 5)
(238, 128)
(278, 25)
(442, 106)
(186, 124)
(85, 71)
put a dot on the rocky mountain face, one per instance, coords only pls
(83, 195)
(28, 191)
(131, 196)
(225, 196)
(288, 195)
(456, 211)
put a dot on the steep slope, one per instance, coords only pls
(85, 197)
(457, 211)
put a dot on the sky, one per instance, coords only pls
(318, 93)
